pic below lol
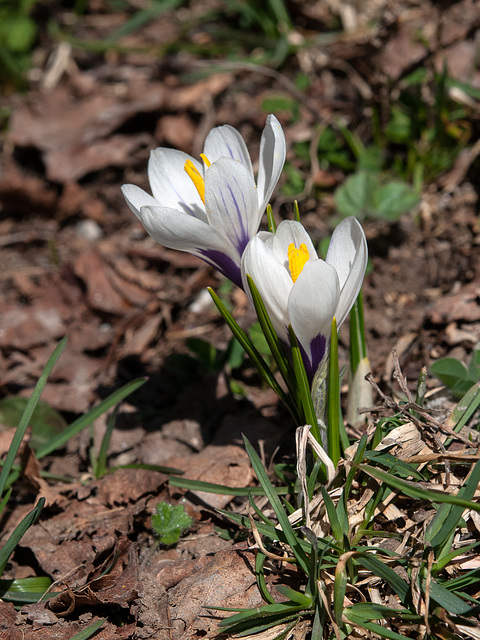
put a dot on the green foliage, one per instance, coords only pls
(334, 413)
(332, 151)
(371, 192)
(169, 522)
(46, 438)
(24, 590)
(20, 530)
(45, 422)
(419, 140)
(238, 30)
(455, 375)
(433, 131)
(282, 103)
(270, 18)
(5, 475)
(18, 32)
(294, 181)
(213, 360)
(372, 195)
(90, 631)
(354, 552)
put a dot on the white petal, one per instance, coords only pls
(267, 238)
(171, 186)
(272, 281)
(271, 160)
(177, 230)
(231, 201)
(287, 232)
(226, 142)
(312, 303)
(137, 198)
(348, 253)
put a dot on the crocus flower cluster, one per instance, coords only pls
(210, 208)
(213, 209)
(300, 289)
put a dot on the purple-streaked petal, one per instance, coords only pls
(137, 198)
(271, 161)
(348, 254)
(231, 201)
(171, 186)
(226, 142)
(223, 263)
(287, 232)
(177, 230)
(311, 306)
(314, 355)
(272, 281)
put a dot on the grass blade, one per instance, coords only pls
(378, 568)
(254, 355)
(415, 491)
(87, 419)
(210, 487)
(303, 387)
(25, 590)
(383, 632)
(446, 519)
(92, 628)
(100, 464)
(277, 506)
(260, 575)
(332, 516)
(271, 337)
(333, 399)
(27, 414)
(464, 410)
(358, 345)
(18, 533)
(448, 600)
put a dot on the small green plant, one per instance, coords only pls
(372, 191)
(169, 522)
(455, 375)
(373, 195)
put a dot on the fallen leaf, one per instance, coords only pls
(463, 305)
(225, 579)
(228, 465)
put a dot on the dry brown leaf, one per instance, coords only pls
(225, 579)
(228, 465)
(462, 305)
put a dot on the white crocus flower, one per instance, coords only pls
(211, 208)
(300, 289)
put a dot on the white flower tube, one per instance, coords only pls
(211, 208)
(303, 291)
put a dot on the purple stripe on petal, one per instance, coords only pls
(232, 155)
(241, 232)
(224, 264)
(241, 238)
(317, 350)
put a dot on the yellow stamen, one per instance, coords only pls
(205, 159)
(196, 178)
(297, 259)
